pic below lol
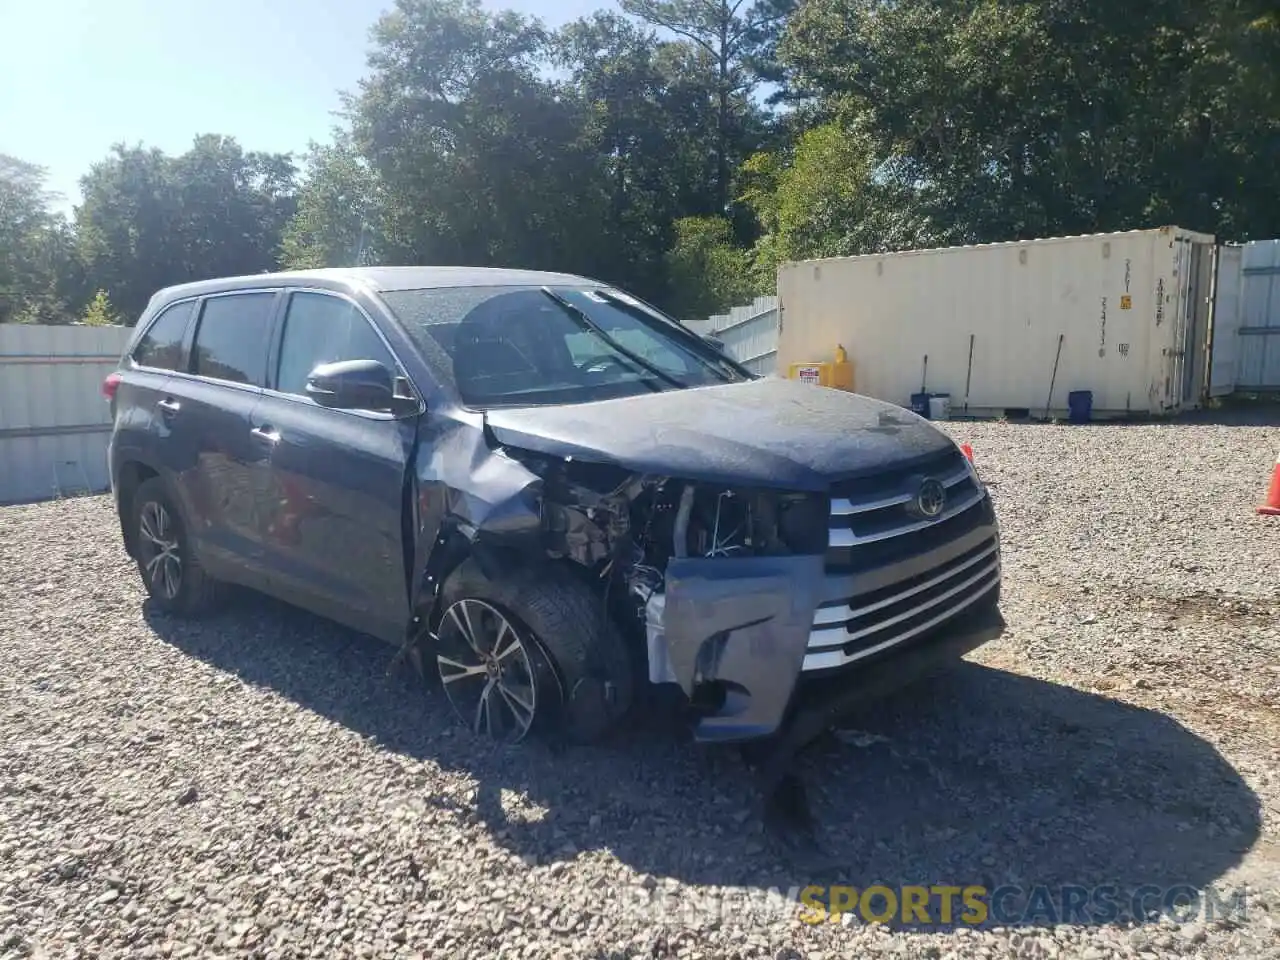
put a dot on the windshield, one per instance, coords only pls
(518, 346)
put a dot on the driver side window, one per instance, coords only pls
(320, 328)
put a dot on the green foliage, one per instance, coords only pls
(729, 40)
(1015, 119)
(709, 273)
(100, 313)
(338, 218)
(477, 159)
(149, 220)
(829, 196)
(36, 267)
(684, 148)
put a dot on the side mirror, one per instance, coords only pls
(715, 342)
(352, 385)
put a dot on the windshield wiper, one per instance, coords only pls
(720, 365)
(582, 317)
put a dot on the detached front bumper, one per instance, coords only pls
(774, 646)
(743, 628)
(819, 701)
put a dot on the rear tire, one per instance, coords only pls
(172, 575)
(566, 623)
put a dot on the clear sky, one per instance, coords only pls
(77, 76)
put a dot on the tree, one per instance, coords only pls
(684, 147)
(1021, 119)
(728, 36)
(36, 268)
(649, 115)
(709, 273)
(100, 313)
(339, 217)
(149, 221)
(479, 158)
(831, 195)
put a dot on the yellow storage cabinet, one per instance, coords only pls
(837, 374)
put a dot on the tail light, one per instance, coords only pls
(109, 386)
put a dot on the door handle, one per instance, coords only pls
(266, 434)
(169, 407)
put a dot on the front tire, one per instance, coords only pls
(170, 572)
(557, 637)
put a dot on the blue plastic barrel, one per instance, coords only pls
(920, 404)
(1080, 406)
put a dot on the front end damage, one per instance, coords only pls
(714, 588)
(728, 595)
(717, 586)
(722, 589)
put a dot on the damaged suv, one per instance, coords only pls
(550, 493)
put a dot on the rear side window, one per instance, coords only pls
(319, 328)
(231, 341)
(161, 345)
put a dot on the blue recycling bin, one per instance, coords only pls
(1080, 406)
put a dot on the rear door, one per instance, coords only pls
(142, 429)
(220, 466)
(335, 531)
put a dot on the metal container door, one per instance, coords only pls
(1224, 351)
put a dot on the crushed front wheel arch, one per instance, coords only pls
(569, 621)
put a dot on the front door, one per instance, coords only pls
(333, 524)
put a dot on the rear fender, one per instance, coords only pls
(129, 472)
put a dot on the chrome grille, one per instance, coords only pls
(857, 522)
(871, 526)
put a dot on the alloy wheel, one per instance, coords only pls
(491, 671)
(160, 551)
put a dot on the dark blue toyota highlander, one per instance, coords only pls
(550, 491)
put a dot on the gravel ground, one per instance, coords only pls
(260, 784)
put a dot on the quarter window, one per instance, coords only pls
(161, 345)
(319, 328)
(231, 342)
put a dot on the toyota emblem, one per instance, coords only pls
(931, 498)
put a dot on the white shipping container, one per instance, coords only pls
(1129, 312)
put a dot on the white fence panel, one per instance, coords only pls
(1259, 363)
(749, 334)
(54, 423)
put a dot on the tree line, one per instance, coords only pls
(683, 148)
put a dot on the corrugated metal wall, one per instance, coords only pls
(1259, 346)
(54, 422)
(749, 333)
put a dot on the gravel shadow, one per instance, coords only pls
(978, 777)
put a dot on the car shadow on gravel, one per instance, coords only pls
(979, 777)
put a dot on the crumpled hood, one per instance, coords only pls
(766, 433)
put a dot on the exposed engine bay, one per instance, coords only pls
(631, 532)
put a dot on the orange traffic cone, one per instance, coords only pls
(1272, 507)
